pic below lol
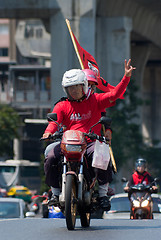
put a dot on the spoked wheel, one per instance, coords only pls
(85, 219)
(70, 202)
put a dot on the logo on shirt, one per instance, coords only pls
(75, 116)
(78, 117)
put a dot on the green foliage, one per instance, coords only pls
(153, 158)
(9, 123)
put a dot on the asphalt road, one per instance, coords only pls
(48, 229)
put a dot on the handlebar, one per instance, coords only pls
(140, 188)
(56, 135)
(92, 136)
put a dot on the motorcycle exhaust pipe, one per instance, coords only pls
(80, 187)
(80, 182)
(62, 195)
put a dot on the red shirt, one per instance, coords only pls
(144, 178)
(82, 115)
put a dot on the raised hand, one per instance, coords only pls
(128, 68)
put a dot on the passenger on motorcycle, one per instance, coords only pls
(92, 83)
(140, 175)
(78, 112)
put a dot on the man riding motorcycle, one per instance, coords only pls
(78, 112)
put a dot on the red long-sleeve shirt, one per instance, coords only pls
(144, 178)
(82, 115)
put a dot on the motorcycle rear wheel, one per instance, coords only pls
(85, 214)
(85, 219)
(70, 202)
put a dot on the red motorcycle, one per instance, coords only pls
(79, 195)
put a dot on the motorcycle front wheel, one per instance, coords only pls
(70, 202)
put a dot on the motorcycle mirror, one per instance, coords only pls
(156, 179)
(52, 117)
(123, 179)
(103, 120)
(106, 121)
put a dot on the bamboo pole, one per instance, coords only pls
(111, 152)
(74, 43)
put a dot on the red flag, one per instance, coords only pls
(106, 87)
(87, 59)
(89, 62)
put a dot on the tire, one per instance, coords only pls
(84, 213)
(45, 211)
(70, 202)
(85, 219)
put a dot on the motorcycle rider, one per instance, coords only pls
(78, 112)
(140, 175)
(92, 83)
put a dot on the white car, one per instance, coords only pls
(120, 207)
(12, 208)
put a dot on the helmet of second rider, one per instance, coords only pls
(91, 76)
(74, 77)
(140, 162)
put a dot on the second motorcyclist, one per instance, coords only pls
(140, 175)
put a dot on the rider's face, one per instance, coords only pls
(92, 85)
(76, 91)
(140, 169)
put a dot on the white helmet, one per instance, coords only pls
(74, 77)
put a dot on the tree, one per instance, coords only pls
(9, 124)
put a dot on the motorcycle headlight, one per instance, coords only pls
(73, 148)
(144, 203)
(136, 203)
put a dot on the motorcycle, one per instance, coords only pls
(35, 205)
(79, 195)
(141, 200)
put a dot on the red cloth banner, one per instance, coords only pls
(89, 62)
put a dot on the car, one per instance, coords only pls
(3, 192)
(120, 207)
(12, 208)
(20, 192)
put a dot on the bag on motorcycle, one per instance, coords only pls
(101, 156)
